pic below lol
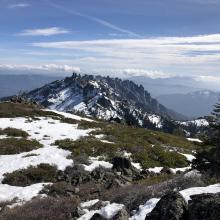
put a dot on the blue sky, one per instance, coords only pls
(157, 38)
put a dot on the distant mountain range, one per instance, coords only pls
(11, 84)
(174, 85)
(193, 105)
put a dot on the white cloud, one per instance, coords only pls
(44, 32)
(185, 55)
(19, 5)
(134, 72)
(46, 67)
(211, 79)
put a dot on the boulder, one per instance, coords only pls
(172, 206)
(121, 215)
(204, 207)
(121, 164)
(167, 170)
(97, 216)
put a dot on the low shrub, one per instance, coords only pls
(13, 132)
(31, 175)
(59, 189)
(16, 146)
(43, 209)
(142, 153)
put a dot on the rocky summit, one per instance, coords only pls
(104, 97)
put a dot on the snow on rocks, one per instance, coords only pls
(197, 122)
(186, 193)
(95, 162)
(183, 169)
(136, 165)
(158, 170)
(128, 156)
(145, 209)
(107, 212)
(89, 203)
(193, 173)
(111, 210)
(155, 119)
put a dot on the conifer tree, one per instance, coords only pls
(209, 158)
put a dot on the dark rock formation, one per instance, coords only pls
(204, 207)
(97, 216)
(121, 215)
(121, 164)
(172, 206)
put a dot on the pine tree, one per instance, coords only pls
(214, 122)
(209, 158)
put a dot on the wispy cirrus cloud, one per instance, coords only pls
(19, 5)
(44, 31)
(94, 19)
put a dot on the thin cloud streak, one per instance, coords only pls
(95, 19)
(19, 5)
(44, 32)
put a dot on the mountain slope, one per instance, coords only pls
(194, 104)
(103, 97)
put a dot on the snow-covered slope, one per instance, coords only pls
(45, 130)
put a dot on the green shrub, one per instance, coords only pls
(16, 146)
(13, 132)
(31, 175)
(59, 189)
(142, 153)
(48, 208)
(13, 110)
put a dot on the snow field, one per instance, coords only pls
(46, 131)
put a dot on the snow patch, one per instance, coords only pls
(194, 140)
(155, 119)
(107, 212)
(69, 115)
(89, 203)
(50, 155)
(96, 163)
(20, 194)
(155, 169)
(145, 209)
(45, 130)
(189, 157)
(111, 210)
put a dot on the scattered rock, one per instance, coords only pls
(172, 206)
(97, 216)
(121, 215)
(167, 170)
(121, 163)
(204, 207)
